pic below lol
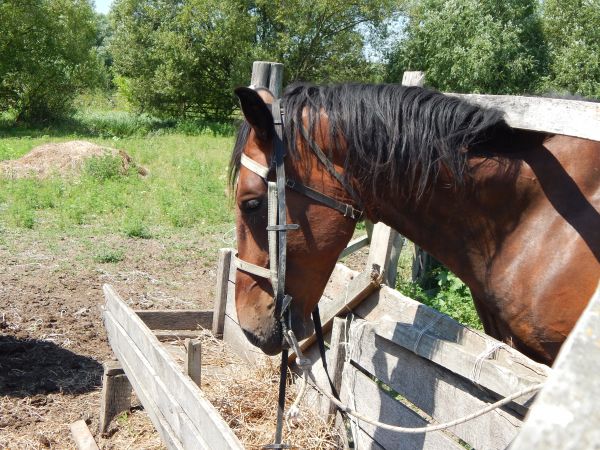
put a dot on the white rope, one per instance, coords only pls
(308, 375)
(488, 353)
(424, 330)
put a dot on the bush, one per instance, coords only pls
(46, 56)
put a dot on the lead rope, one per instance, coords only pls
(307, 374)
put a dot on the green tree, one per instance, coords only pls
(572, 29)
(321, 40)
(47, 56)
(473, 46)
(181, 59)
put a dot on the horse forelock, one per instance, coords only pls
(393, 134)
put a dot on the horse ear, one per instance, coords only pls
(256, 112)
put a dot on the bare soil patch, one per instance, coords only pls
(52, 340)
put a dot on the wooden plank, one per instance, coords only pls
(384, 252)
(175, 335)
(566, 415)
(193, 360)
(551, 115)
(364, 395)
(450, 344)
(435, 390)
(142, 390)
(189, 399)
(176, 319)
(413, 78)
(223, 269)
(336, 359)
(116, 394)
(82, 436)
(354, 245)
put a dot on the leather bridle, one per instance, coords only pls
(277, 228)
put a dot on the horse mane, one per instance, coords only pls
(391, 132)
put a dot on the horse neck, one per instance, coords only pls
(464, 230)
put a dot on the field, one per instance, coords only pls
(153, 237)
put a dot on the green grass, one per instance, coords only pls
(185, 186)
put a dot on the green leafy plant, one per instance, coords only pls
(109, 255)
(451, 297)
(104, 167)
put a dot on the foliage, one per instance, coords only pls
(452, 297)
(323, 40)
(46, 56)
(473, 46)
(572, 30)
(181, 59)
(104, 167)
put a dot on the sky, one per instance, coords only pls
(103, 6)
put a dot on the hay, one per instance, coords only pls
(246, 397)
(63, 159)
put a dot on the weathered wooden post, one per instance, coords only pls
(116, 394)
(268, 75)
(193, 361)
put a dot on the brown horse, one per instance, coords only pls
(513, 213)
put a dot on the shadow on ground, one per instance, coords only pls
(30, 367)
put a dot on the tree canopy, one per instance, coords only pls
(473, 45)
(46, 56)
(572, 30)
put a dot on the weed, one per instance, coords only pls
(109, 255)
(134, 226)
(104, 167)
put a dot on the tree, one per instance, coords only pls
(481, 46)
(46, 56)
(181, 59)
(572, 29)
(321, 40)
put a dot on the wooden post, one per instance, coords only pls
(193, 362)
(116, 394)
(268, 75)
(223, 268)
(386, 245)
(337, 357)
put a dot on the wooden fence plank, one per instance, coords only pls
(193, 360)
(364, 395)
(560, 116)
(437, 391)
(116, 394)
(450, 344)
(354, 245)
(188, 396)
(176, 319)
(223, 269)
(156, 392)
(566, 415)
(386, 245)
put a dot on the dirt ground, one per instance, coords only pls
(53, 343)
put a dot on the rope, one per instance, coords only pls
(307, 374)
(488, 353)
(424, 330)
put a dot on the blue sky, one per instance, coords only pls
(103, 6)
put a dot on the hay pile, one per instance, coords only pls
(62, 159)
(246, 397)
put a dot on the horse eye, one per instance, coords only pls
(251, 205)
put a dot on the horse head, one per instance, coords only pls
(322, 232)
